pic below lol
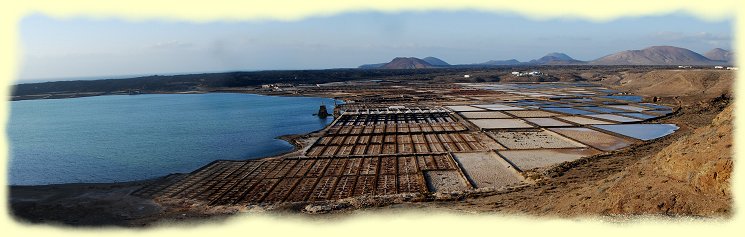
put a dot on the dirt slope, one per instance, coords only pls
(668, 83)
(688, 177)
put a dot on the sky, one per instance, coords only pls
(89, 48)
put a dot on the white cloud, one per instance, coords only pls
(697, 37)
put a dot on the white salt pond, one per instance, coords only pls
(487, 169)
(500, 123)
(641, 131)
(498, 107)
(531, 159)
(484, 115)
(614, 117)
(463, 108)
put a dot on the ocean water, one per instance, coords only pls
(124, 138)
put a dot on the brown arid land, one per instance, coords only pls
(684, 174)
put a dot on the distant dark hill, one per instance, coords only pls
(406, 63)
(555, 59)
(501, 62)
(436, 62)
(371, 66)
(215, 81)
(655, 55)
(718, 54)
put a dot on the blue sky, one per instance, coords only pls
(94, 47)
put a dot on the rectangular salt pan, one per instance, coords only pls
(531, 113)
(498, 107)
(534, 140)
(638, 115)
(500, 123)
(531, 159)
(445, 181)
(486, 169)
(628, 107)
(547, 122)
(462, 108)
(583, 120)
(614, 117)
(569, 111)
(632, 98)
(600, 109)
(484, 115)
(599, 140)
(641, 131)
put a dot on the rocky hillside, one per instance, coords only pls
(655, 55)
(555, 59)
(406, 63)
(436, 61)
(718, 54)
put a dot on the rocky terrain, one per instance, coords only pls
(718, 54)
(406, 63)
(655, 55)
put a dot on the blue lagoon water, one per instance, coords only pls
(124, 138)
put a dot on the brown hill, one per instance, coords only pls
(718, 54)
(556, 59)
(671, 83)
(406, 63)
(655, 55)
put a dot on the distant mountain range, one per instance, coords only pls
(655, 55)
(435, 62)
(718, 54)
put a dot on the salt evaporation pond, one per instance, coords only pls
(641, 131)
(632, 98)
(568, 111)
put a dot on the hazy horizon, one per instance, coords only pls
(97, 48)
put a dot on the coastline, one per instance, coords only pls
(92, 94)
(297, 141)
(113, 203)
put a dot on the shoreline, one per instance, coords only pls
(253, 91)
(295, 140)
(292, 139)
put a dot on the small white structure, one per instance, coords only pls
(718, 67)
(684, 66)
(732, 68)
(516, 73)
(466, 76)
